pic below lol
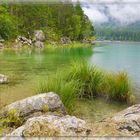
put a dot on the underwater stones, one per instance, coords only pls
(34, 104)
(3, 79)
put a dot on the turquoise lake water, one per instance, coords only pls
(26, 68)
(121, 56)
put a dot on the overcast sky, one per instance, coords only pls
(100, 11)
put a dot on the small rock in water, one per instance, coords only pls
(3, 79)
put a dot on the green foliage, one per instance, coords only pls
(49, 17)
(7, 24)
(12, 120)
(117, 86)
(118, 33)
(89, 78)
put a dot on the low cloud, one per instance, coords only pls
(122, 11)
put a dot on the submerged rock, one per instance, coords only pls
(3, 79)
(50, 125)
(40, 103)
(124, 123)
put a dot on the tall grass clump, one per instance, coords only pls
(90, 78)
(80, 80)
(66, 90)
(118, 86)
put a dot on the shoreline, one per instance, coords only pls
(114, 41)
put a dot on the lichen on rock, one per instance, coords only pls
(124, 123)
(34, 104)
(50, 125)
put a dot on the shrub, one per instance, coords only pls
(7, 27)
(118, 86)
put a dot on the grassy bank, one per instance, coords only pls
(74, 44)
(48, 47)
(80, 81)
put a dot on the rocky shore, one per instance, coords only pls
(45, 115)
(124, 123)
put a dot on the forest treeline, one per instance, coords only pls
(118, 33)
(56, 20)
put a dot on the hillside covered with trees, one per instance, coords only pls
(56, 20)
(121, 33)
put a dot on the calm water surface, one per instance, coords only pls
(120, 57)
(25, 69)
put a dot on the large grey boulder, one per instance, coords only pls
(39, 35)
(40, 103)
(21, 41)
(39, 44)
(51, 125)
(124, 123)
(129, 120)
(3, 79)
(39, 38)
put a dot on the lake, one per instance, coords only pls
(26, 68)
(120, 56)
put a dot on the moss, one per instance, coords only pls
(45, 108)
(1, 130)
(12, 120)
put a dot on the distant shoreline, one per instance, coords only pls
(114, 41)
